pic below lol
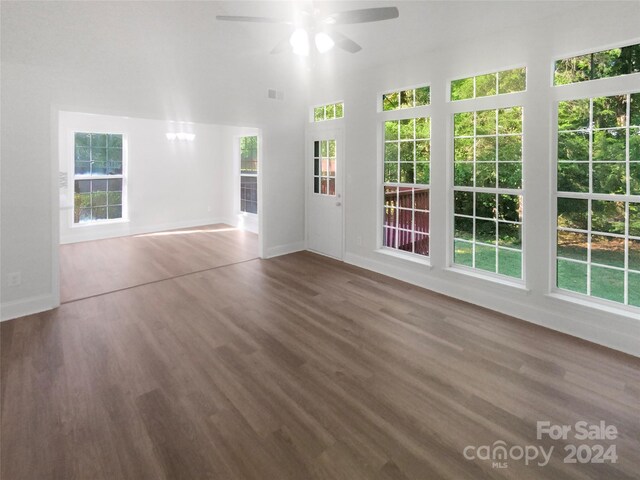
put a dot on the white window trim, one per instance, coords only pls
(71, 166)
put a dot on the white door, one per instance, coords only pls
(325, 167)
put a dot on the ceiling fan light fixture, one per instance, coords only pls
(299, 41)
(324, 42)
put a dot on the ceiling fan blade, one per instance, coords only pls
(233, 18)
(344, 42)
(282, 46)
(362, 16)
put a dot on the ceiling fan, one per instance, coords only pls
(321, 27)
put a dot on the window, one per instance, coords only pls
(98, 177)
(598, 200)
(249, 174)
(407, 146)
(603, 64)
(496, 83)
(328, 112)
(414, 97)
(324, 167)
(487, 190)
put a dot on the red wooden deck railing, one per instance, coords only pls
(401, 207)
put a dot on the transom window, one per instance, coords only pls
(249, 174)
(603, 64)
(98, 177)
(487, 190)
(413, 97)
(496, 83)
(328, 112)
(324, 167)
(407, 148)
(598, 200)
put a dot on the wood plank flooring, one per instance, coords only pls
(93, 268)
(298, 367)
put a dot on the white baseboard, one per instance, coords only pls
(614, 331)
(100, 232)
(26, 306)
(284, 249)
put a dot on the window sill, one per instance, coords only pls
(595, 303)
(519, 285)
(100, 223)
(410, 257)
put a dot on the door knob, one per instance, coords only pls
(338, 204)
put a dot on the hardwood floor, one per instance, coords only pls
(298, 367)
(125, 262)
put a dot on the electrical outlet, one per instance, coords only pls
(14, 279)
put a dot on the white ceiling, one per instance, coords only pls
(179, 35)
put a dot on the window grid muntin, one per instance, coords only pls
(626, 198)
(324, 178)
(113, 142)
(495, 190)
(415, 233)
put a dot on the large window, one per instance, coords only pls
(98, 177)
(249, 174)
(487, 190)
(598, 200)
(406, 185)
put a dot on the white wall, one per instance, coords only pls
(586, 28)
(32, 96)
(169, 183)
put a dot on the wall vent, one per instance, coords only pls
(274, 94)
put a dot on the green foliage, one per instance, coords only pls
(573, 213)
(391, 130)
(486, 85)
(573, 115)
(423, 96)
(249, 154)
(608, 216)
(486, 122)
(510, 81)
(510, 120)
(604, 64)
(463, 124)
(410, 98)
(462, 89)
(390, 101)
(423, 128)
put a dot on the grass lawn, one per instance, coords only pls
(606, 283)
